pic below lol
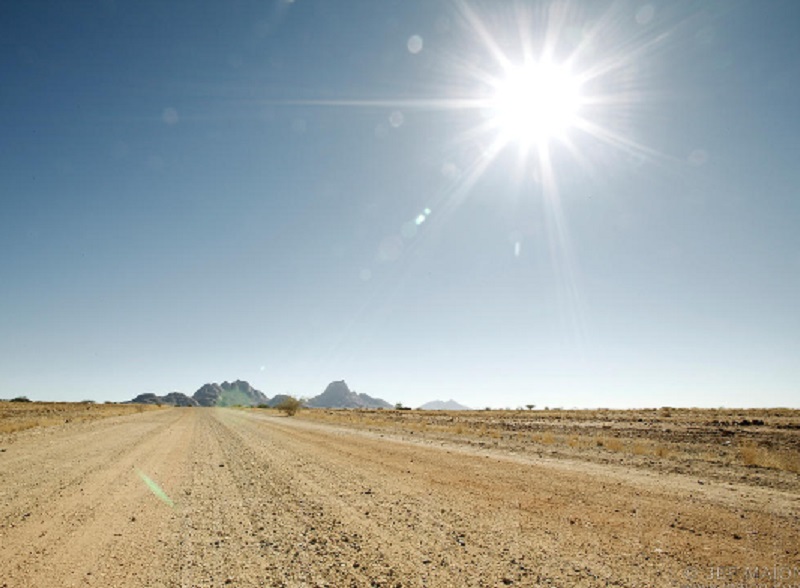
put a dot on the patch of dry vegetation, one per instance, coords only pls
(754, 455)
(20, 416)
(675, 438)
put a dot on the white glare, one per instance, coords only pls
(535, 103)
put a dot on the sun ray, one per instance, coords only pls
(484, 35)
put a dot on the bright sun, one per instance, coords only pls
(535, 103)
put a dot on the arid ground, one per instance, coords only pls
(248, 497)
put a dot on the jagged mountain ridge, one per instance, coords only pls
(336, 395)
(173, 398)
(230, 394)
(225, 394)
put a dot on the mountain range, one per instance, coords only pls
(241, 393)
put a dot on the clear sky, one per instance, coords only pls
(292, 193)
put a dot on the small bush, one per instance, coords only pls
(289, 405)
(21, 399)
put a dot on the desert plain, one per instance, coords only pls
(126, 495)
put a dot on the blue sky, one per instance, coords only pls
(292, 193)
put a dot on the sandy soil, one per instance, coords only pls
(216, 497)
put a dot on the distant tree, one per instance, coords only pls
(398, 406)
(289, 405)
(530, 406)
(21, 399)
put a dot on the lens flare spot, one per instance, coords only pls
(414, 44)
(390, 248)
(450, 170)
(698, 157)
(645, 14)
(155, 489)
(170, 116)
(396, 119)
(299, 126)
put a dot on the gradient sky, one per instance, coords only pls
(292, 193)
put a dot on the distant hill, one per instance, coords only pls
(442, 405)
(338, 395)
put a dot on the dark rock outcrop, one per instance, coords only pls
(173, 398)
(229, 394)
(208, 395)
(225, 394)
(338, 395)
(241, 393)
(179, 399)
(147, 398)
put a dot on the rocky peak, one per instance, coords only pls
(338, 395)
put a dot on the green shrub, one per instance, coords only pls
(289, 405)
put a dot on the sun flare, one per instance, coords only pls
(535, 103)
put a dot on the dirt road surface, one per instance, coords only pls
(221, 497)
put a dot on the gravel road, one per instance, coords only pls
(218, 497)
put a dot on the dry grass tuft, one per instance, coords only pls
(610, 443)
(662, 451)
(756, 456)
